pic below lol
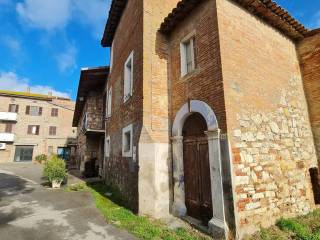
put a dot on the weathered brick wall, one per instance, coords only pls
(267, 119)
(128, 38)
(205, 83)
(309, 53)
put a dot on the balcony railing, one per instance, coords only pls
(6, 137)
(93, 122)
(8, 116)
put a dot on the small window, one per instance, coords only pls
(52, 131)
(127, 141)
(109, 103)
(54, 112)
(14, 108)
(9, 127)
(33, 111)
(33, 129)
(107, 146)
(128, 78)
(50, 150)
(187, 51)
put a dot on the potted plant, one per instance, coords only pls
(42, 158)
(55, 171)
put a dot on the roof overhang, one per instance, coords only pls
(91, 79)
(115, 13)
(267, 10)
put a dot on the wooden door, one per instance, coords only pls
(197, 169)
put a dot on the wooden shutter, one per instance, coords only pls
(40, 111)
(38, 129)
(17, 108)
(57, 112)
(10, 108)
(29, 129)
(28, 110)
(8, 128)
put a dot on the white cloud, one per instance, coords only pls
(67, 60)
(56, 14)
(12, 82)
(45, 14)
(92, 13)
(12, 43)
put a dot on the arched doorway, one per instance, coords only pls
(197, 169)
(198, 113)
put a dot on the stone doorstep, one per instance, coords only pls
(197, 224)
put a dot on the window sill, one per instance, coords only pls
(190, 74)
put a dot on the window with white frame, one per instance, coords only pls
(128, 78)
(109, 102)
(107, 146)
(187, 52)
(127, 134)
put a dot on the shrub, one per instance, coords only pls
(55, 169)
(42, 158)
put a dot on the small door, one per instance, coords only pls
(23, 154)
(197, 169)
(64, 153)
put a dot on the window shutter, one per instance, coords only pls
(17, 108)
(57, 112)
(29, 129)
(10, 107)
(40, 111)
(8, 128)
(52, 112)
(38, 129)
(27, 110)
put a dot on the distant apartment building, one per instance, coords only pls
(34, 124)
(89, 119)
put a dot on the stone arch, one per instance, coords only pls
(217, 225)
(191, 107)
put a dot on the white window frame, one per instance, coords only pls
(125, 130)
(109, 102)
(183, 54)
(107, 146)
(127, 91)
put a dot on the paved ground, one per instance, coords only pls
(28, 211)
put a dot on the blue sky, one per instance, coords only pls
(44, 43)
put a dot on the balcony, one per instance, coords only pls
(6, 137)
(93, 123)
(8, 116)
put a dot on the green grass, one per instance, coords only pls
(140, 226)
(301, 228)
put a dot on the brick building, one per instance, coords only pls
(89, 118)
(34, 124)
(211, 111)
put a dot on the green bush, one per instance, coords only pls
(55, 169)
(42, 158)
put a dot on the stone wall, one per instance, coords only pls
(267, 120)
(272, 153)
(309, 53)
(89, 146)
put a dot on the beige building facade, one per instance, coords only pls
(34, 124)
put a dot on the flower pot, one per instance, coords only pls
(56, 184)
